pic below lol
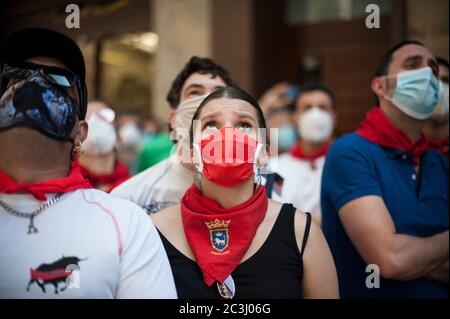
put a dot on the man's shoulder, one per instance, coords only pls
(349, 141)
(120, 211)
(108, 202)
(349, 144)
(135, 186)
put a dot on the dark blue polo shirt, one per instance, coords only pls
(418, 205)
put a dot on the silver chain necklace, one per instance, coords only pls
(31, 228)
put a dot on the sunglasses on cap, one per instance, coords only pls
(22, 70)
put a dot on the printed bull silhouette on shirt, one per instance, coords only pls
(54, 273)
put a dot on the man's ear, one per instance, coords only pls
(81, 132)
(172, 118)
(379, 87)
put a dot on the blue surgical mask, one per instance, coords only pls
(417, 93)
(440, 114)
(287, 137)
(148, 136)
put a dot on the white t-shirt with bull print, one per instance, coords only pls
(88, 245)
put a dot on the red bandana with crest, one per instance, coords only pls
(219, 237)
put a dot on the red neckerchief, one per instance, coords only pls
(440, 146)
(297, 152)
(73, 181)
(113, 180)
(377, 128)
(220, 237)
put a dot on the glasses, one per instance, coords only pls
(58, 76)
(55, 75)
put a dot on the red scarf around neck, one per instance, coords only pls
(219, 237)
(377, 129)
(298, 152)
(117, 177)
(73, 181)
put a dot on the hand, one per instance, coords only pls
(275, 97)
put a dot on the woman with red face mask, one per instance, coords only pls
(226, 239)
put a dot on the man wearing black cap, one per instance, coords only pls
(58, 236)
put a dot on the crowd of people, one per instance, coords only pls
(95, 204)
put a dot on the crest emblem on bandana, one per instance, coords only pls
(219, 234)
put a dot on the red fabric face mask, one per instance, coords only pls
(227, 157)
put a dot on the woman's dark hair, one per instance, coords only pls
(230, 92)
(196, 65)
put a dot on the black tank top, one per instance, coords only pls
(274, 271)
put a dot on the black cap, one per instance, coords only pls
(30, 42)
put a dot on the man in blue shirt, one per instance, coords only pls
(385, 195)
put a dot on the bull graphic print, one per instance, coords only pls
(54, 273)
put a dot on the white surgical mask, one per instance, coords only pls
(101, 137)
(416, 93)
(315, 125)
(442, 109)
(131, 135)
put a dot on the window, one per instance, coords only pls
(313, 11)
